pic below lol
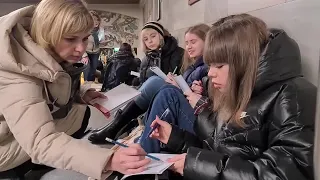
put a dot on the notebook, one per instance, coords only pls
(156, 167)
(117, 97)
(182, 83)
(179, 79)
(158, 72)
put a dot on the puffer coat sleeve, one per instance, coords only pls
(288, 151)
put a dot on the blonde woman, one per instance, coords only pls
(42, 108)
(161, 50)
(259, 122)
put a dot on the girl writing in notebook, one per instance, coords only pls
(259, 120)
(193, 69)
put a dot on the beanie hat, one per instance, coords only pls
(154, 25)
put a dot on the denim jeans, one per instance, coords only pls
(148, 90)
(181, 114)
(89, 73)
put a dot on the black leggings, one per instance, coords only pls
(19, 171)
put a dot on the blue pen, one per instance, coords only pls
(123, 145)
(163, 115)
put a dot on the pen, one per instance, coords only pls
(123, 145)
(174, 71)
(164, 114)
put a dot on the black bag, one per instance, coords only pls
(118, 71)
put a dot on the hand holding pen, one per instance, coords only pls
(126, 146)
(129, 160)
(170, 78)
(163, 115)
(161, 130)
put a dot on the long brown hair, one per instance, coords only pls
(235, 40)
(199, 30)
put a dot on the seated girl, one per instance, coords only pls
(194, 70)
(260, 120)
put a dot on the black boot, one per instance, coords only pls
(103, 89)
(122, 117)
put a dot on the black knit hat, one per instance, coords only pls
(154, 25)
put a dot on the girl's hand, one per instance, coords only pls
(171, 80)
(193, 98)
(197, 87)
(162, 132)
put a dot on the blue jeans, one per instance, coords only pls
(89, 73)
(148, 90)
(181, 115)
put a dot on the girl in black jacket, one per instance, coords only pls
(118, 69)
(259, 120)
(161, 49)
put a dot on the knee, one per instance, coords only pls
(153, 83)
(153, 80)
(169, 92)
(170, 88)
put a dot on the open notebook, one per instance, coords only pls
(156, 167)
(117, 97)
(179, 79)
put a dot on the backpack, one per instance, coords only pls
(117, 71)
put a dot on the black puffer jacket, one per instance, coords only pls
(118, 69)
(167, 59)
(277, 142)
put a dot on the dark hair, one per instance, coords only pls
(125, 47)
